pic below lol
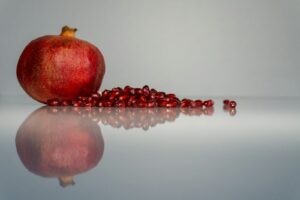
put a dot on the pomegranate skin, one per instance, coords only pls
(62, 67)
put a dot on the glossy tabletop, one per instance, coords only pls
(249, 153)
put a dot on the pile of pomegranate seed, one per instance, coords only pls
(132, 97)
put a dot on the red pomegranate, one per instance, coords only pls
(60, 66)
(59, 144)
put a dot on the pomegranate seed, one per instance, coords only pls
(152, 95)
(107, 104)
(177, 100)
(112, 95)
(167, 99)
(151, 104)
(141, 104)
(232, 104)
(128, 103)
(187, 100)
(171, 104)
(100, 104)
(199, 103)
(89, 99)
(160, 95)
(132, 98)
(120, 104)
(193, 104)
(153, 90)
(127, 89)
(82, 98)
(94, 102)
(184, 104)
(65, 103)
(105, 93)
(208, 103)
(88, 104)
(146, 90)
(133, 103)
(53, 102)
(117, 89)
(143, 98)
(96, 95)
(77, 103)
(162, 103)
(171, 96)
(132, 91)
(226, 102)
(138, 91)
(123, 97)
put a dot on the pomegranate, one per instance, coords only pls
(59, 144)
(60, 66)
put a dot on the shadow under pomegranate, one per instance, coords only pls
(59, 144)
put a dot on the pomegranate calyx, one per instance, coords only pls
(68, 31)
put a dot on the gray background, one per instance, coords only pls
(200, 48)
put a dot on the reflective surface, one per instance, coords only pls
(91, 153)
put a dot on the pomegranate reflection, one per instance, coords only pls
(128, 118)
(65, 141)
(59, 144)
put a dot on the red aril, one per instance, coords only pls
(232, 104)
(208, 103)
(53, 102)
(199, 103)
(65, 103)
(226, 101)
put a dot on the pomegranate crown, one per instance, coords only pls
(68, 31)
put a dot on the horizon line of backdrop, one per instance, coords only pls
(191, 48)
